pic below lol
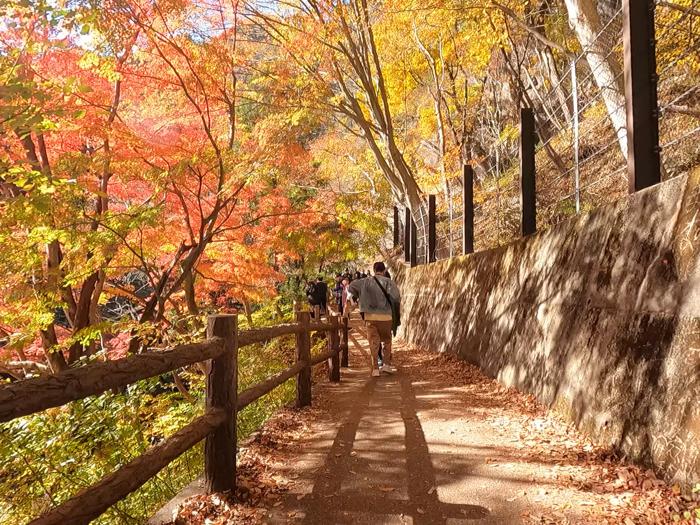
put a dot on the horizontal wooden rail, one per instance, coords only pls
(36, 394)
(325, 356)
(320, 327)
(260, 335)
(89, 503)
(255, 392)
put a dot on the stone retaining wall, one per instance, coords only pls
(598, 317)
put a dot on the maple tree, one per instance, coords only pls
(123, 152)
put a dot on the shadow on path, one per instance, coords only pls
(378, 469)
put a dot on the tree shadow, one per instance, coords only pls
(331, 502)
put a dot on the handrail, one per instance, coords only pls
(39, 393)
(90, 502)
(261, 335)
(217, 425)
(321, 327)
(325, 356)
(258, 390)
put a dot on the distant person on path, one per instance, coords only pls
(376, 296)
(311, 296)
(338, 293)
(346, 283)
(322, 293)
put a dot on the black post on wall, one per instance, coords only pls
(468, 207)
(528, 204)
(414, 243)
(407, 236)
(432, 237)
(643, 159)
(396, 227)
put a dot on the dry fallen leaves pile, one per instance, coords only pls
(259, 486)
(617, 493)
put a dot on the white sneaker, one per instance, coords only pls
(388, 369)
(375, 373)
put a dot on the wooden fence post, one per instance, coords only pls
(303, 347)
(639, 40)
(468, 207)
(344, 343)
(432, 236)
(528, 205)
(334, 345)
(407, 236)
(222, 392)
(414, 244)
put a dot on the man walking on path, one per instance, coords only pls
(375, 296)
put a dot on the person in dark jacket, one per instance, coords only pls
(322, 293)
(311, 294)
(338, 293)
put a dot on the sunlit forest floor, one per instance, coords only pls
(436, 443)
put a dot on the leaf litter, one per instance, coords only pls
(616, 492)
(259, 485)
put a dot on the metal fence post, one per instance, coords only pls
(222, 392)
(432, 236)
(468, 207)
(396, 226)
(414, 244)
(528, 204)
(577, 169)
(407, 235)
(643, 159)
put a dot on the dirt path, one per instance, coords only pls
(436, 443)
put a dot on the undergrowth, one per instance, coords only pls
(48, 457)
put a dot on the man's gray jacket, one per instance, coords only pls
(370, 296)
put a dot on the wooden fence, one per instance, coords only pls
(218, 424)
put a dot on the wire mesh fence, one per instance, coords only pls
(580, 160)
(450, 219)
(581, 126)
(677, 26)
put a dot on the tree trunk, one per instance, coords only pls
(56, 361)
(82, 315)
(188, 285)
(248, 311)
(584, 18)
